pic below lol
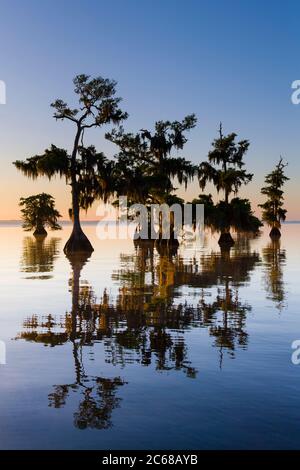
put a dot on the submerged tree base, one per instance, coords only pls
(275, 233)
(226, 239)
(40, 232)
(167, 247)
(78, 243)
(143, 242)
(167, 242)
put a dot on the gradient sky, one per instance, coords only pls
(230, 61)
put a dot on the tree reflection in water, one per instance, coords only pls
(274, 260)
(225, 316)
(97, 394)
(98, 400)
(151, 291)
(147, 322)
(39, 254)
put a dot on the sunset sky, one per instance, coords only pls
(230, 61)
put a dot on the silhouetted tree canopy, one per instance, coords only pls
(146, 158)
(273, 212)
(225, 170)
(85, 170)
(38, 212)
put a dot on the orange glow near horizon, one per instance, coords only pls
(16, 185)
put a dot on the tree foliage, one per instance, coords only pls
(97, 102)
(146, 167)
(91, 169)
(87, 171)
(225, 165)
(39, 211)
(225, 170)
(237, 214)
(273, 212)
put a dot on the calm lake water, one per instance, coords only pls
(132, 349)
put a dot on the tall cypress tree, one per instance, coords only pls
(84, 169)
(225, 170)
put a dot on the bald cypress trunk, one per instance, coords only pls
(40, 231)
(275, 232)
(78, 241)
(226, 239)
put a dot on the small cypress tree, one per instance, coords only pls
(273, 212)
(39, 211)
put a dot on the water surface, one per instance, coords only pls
(136, 349)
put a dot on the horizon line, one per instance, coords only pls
(292, 221)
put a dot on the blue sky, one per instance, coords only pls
(230, 61)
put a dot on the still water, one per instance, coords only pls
(135, 349)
